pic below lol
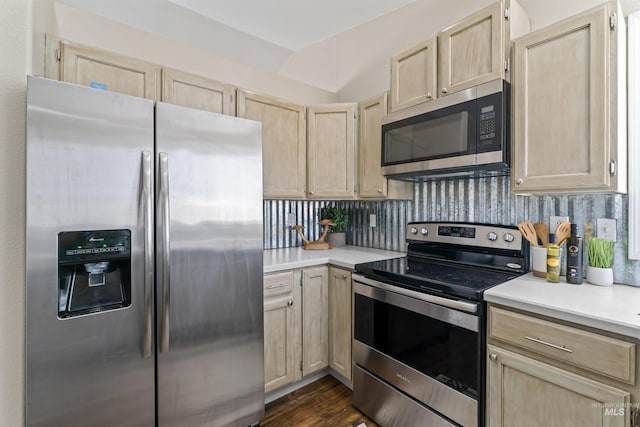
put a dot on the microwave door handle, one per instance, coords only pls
(147, 337)
(163, 199)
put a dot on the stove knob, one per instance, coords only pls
(508, 237)
(424, 231)
(492, 236)
(414, 230)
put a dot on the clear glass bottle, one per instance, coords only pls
(553, 259)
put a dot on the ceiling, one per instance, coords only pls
(297, 24)
(280, 27)
(292, 24)
(300, 39)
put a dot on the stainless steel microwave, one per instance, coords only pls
(465, 133)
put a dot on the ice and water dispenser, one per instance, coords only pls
(94, 271)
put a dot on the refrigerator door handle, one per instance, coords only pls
(163, 172)
(147, 338)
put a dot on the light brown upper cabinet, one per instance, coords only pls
(371, 181)
(569, 117)
(331, 136)
(472, 51)
(193, 91)
(109, 71)
(413, 75)
(283, 142)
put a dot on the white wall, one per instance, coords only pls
(363, 53)
(75, 25)
(15, 42)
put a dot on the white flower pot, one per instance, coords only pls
(336, 238)
(600, 276)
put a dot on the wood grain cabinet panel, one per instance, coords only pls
(607, 356)
(279, 351)
(283, 143)
(109, 71)
(331, 142)
(371, 182)
(315, 325)
(569, 117)
(282, 310)
(524, 392)
(413, 75)
(472, 51)
(193, 91)
(340, 321)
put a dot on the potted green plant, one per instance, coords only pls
(600, 253)
(340, 216)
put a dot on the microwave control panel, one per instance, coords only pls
(487, 122)
(490, 126)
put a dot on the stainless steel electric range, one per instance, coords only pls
(419, 323)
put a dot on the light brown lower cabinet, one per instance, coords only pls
(543, 371)
(524, 392)
(315, 325)
(281, 330)
(340, 321)
(296, 334)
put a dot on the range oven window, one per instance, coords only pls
(443, 351)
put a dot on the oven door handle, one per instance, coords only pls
(445, 302)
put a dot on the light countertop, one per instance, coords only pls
(611, 308)
(345, 256)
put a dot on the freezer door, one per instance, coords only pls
(209, 269)
(89, 352)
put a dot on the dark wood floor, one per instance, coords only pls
(326, 402)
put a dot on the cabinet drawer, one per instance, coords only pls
(278, 284)
(607, 356)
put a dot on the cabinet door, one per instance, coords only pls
(340, 321)
(472, 51)
(283, 143)
(315, 328)
(560, 108)
(413, 75)
(525, 392)
(331, 144)
(109, 71)
(279, 342)
(193, 91)
(371, 181)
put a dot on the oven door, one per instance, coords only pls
(424, 345)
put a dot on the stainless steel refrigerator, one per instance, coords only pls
(144, 262)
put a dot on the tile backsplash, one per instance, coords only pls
(483, 200)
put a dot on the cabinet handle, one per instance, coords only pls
(429, 96)
(558, 347)
(344, 276)
(290, 303)
(444, 90)
(282, 285)
(519, 181)
(493, 357)
(379, 190)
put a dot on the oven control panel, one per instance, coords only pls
(481, 235)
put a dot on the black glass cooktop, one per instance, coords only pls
(436, 277)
